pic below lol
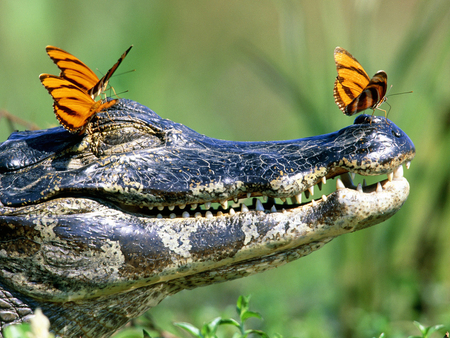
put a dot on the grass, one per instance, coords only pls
(215, 328)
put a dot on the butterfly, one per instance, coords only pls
(354, 91)
(75, 89)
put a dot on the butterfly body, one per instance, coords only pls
(354, 91)
(75, 89)
(72, 106)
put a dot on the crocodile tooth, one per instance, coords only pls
(224, 204)
(259, 206)
(283, 211)
(407, 164)
(235, 199)
(352, 175)
(273, 209)
(185, 214)
(390, 176)
(207, 205)
(198, 214)
(324, 198)
(313, 203)
(194, 206)
(379, 187)
(324, 180)
(171, 207)
(231, 211)
(339, 184)
(219, 213)
(347, 180)
(209, 214)
(283, 199)
(265, 198)
(398, 172)
(359, 188)
(172, 215)
(311, 190)
(150, 208)
(161, 208)
(244, 208)
(159, 216)
(298, 198)
(182, 206)
(249, 194)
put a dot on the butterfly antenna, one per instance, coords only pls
(125, 91)
(388, 90)
(125, 72)
(397, 93)
(390, 107)
(402, 93)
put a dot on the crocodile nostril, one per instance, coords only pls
(396, 133)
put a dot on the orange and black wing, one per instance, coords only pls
(72, 105)
(101, 85)
(354, 91)
(75, 71)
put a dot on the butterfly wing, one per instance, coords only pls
(354, 91)
(351, 79)
(75, 71)
(371, 97)
(101, 85)
(72, 105)
(72, 69)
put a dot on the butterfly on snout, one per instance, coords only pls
(354, 91)
(75, 89)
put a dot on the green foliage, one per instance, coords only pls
(426, 331)
(209, 329)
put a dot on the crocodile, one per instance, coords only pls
(98, 228)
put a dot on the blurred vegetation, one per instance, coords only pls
(264, 70)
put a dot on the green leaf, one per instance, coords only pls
(242, 304)
(426, 331)
(421, 327)
(209, 329)
(249, 314)
(190, 328)
(230, 321)
(433, 328)
(257, 332)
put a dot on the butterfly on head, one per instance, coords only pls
(354, 91)
(75, 89)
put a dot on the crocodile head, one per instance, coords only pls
(97, 228)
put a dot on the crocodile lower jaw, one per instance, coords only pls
(393, 192)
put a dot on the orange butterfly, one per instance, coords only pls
(354, 91)
(75, 89)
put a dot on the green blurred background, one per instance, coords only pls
(264, 70)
